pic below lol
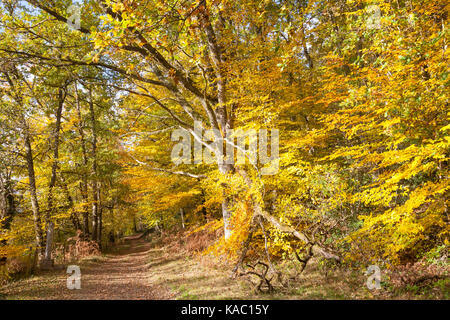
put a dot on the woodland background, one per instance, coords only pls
(357, 89)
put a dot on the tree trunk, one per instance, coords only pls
(100, 226)
(95, 187)
(182, 217)
(7, 207)
(226, 203)
(50, 203)
(48, 261)
(7, 203)
(32, 189)
(84, 182)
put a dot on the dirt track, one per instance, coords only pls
(119, 276)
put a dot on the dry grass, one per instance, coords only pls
(176, 266)
(200, 278)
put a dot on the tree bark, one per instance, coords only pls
(32, 189)
(49, 243)
(95, 188)
(182, 217)
(100, 225)
(7, 207)
(84, 182)
(7, 203)
(224, 120)
(50, 203)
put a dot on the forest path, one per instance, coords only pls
(138, 269)
(122, 275)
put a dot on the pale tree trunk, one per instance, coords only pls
(47, 263)
(226, 214)
(182, 217)
(224, 120)
(226, 203)
(50, 202)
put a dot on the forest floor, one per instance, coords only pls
(119, 275)
(139, 269)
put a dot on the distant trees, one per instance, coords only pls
(57, 139)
